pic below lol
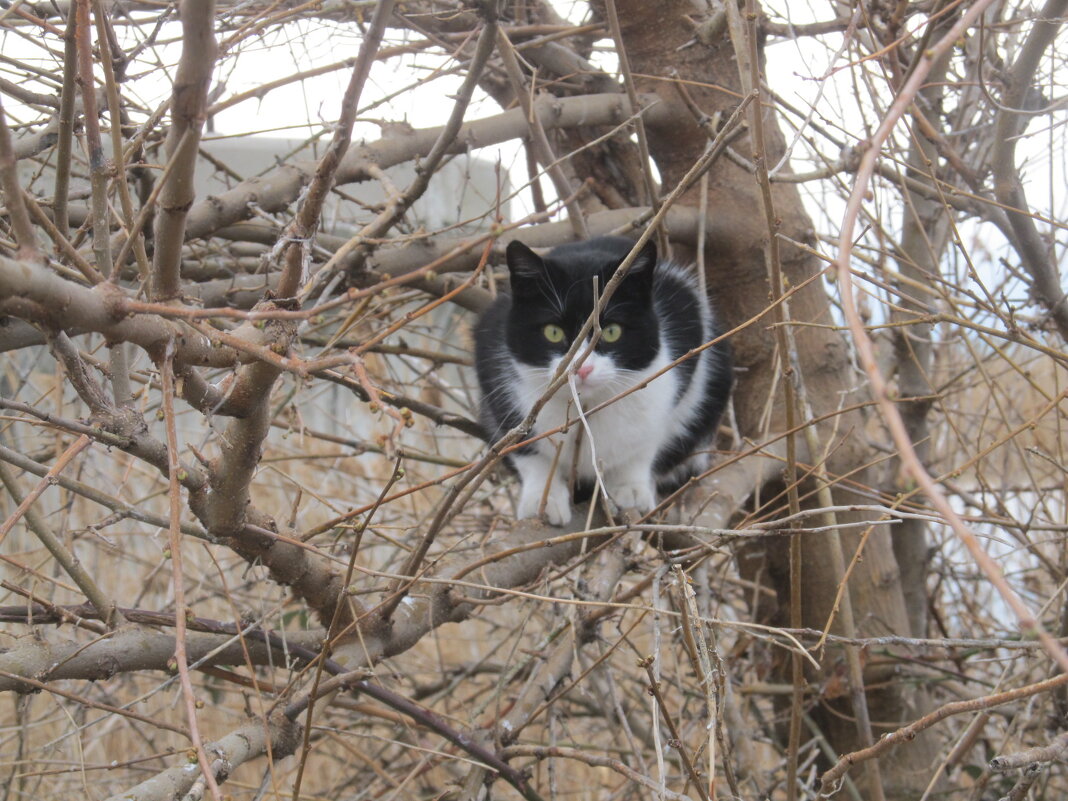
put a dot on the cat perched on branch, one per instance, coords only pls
(636, 415)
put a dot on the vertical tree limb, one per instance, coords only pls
(25, 236)
(188, 104)
(1011, 123)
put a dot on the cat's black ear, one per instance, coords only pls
(524, 265)
(644, 263)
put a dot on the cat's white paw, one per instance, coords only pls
(557, 504)
(640, 495)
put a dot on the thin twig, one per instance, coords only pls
(174, 494)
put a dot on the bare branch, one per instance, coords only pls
(1011, 122)
(187, 116)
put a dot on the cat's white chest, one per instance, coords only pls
(606, 429)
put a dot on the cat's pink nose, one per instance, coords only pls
(584, 371)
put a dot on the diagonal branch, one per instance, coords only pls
(299, 232)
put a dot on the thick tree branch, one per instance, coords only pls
(188, 105)
(33, 293)
(1008, 187)
(280, 187)
(277, 735)
(135, 649)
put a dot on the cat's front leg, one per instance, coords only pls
(632, 487)
(535, 474)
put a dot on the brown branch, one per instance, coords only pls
(427, 610)
(64, 121)
(188, 104)
(174, 538)
(650, 194)
(104, 605)
(88, 703)
(1008, 187)
(744, 40)
(130, 650)
(594, 760)
(122, 510)
(426, 718)
(1056, 751)
(1022, 788)
(61, 463)
(676, 738)
(866, 353)
(124, 424)
(16, 208)
(539, 142)
(531, 702)
(278, 736)
(299, 232)
(98, 169)
(827, 784)
(278, 188)
(448, 137)
(33, 293)
(60, 241)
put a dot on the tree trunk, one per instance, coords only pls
(661, 46)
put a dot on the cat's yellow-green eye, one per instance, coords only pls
(553, 333)
(611, 332)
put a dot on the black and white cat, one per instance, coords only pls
(651, 437)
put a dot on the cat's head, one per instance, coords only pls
(554, 295)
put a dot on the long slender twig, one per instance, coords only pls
(64, 459)
(539, 142)
(676, 738)
(648, 186)
(444, 142)
(299, 232)
(118, 166)
(744, 38)
(355, 680)
(174, 533)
